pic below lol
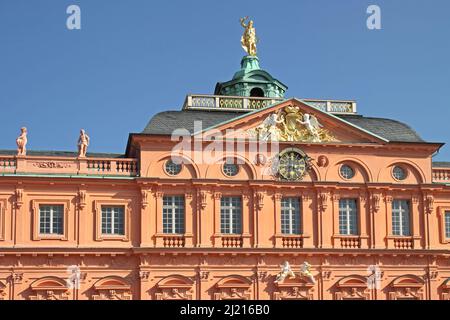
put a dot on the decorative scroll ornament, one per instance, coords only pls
(429, 204)
(82, 199)
(19, 198)
(289, 124)
(259, 196)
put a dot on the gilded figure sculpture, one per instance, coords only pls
(286, 272)
(83, 143)
(290, 124)
(305, 271)
(249, 39)
(22, 142)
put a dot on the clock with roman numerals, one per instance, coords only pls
(293, 164)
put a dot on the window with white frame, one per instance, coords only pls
(51, 219)
(231, 215)
(401, 218)
(447, 224)
(348, 217)
(113, 220)
(173, 214)
(290, 215)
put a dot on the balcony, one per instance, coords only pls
(69, 166)
(440, 175)
(245, 104)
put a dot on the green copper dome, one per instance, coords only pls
(251, 81)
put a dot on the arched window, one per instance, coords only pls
(256, 92)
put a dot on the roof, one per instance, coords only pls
(62, 154)
(441, 164)
(389, 129)
(164, 123)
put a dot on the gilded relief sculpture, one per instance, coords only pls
(83, 143)
(290, 124)
(22, 142)
(286, 272)
(249, 39)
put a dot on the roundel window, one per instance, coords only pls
(399, 173)
(172, 168)
(230, 169)
(347, 172)
(292, 165)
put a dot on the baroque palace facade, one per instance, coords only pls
(348, 206)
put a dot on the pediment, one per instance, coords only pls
(296, 121)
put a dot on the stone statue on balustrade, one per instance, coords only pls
(83, 143)
(22, 142)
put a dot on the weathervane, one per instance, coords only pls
(249, 39)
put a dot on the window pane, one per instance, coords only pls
(51, 219)
(173, 214)
(230, 215)
(447, 224)
(348, 217)
(290, 216)
(113, 220)
(400, 218)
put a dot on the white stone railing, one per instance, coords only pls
(236, 103)
(69, 166)
(441, 175)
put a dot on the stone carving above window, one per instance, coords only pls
(233, 287)
(2, 291)
(175, 287)
(446, 290)
(112, 288)
(352, 287)
(49, 288)
(408, 287)
(294, 289)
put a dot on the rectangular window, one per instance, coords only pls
(348, 217)
(51, 219)
(113, 218)
(447, 224)
(173, 214)
(231, 215)
(290, 216)
(400, 218)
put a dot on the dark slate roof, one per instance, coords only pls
(165, 122)
(389, 129)
(62, 154)
(441, 164)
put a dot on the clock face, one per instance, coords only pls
(292, 166)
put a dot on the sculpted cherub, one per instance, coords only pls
(286, 271)
(312, 125)
(305, 271)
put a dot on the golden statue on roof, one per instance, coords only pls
(249, 39)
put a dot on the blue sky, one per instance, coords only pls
(134, 58)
